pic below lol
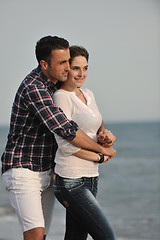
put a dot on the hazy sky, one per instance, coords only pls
(122, 37)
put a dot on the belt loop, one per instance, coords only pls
(92, 182)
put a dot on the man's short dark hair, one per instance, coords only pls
(46, 44)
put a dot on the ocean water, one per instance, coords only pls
(129, 187)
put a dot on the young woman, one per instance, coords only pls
(76, 170)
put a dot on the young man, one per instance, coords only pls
(28, 159)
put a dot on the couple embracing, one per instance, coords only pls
(56, 141)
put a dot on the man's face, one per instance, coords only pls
(59, 67)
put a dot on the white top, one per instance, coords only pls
(89, 120)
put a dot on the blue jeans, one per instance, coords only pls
(83, 213)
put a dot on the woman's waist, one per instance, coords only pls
(73, 161)
(87, 179)
(76, 171)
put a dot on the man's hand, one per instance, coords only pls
(106, 138)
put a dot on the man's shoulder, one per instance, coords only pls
(34, 79)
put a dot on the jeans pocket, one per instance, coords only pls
(7, 180)
(73, 184)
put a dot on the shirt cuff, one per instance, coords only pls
(69, 133)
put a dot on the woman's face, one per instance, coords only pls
(78, 71)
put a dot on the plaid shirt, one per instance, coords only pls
(34, 120)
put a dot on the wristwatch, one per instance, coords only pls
(101, 158)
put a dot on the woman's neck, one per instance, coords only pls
(68, 87)
(77, 91)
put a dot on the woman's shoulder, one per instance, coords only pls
(63, 96)
(62, 92)
(87, 91)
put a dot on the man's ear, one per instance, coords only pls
(44, 65)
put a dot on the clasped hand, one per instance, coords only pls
(106, 138)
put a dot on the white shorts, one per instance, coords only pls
(32, 197)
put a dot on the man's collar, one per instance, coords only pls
(44, 77)
(47, 81)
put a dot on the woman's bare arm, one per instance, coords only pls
(89, 155)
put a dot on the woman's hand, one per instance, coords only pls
(106, 159)
(108, 152)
